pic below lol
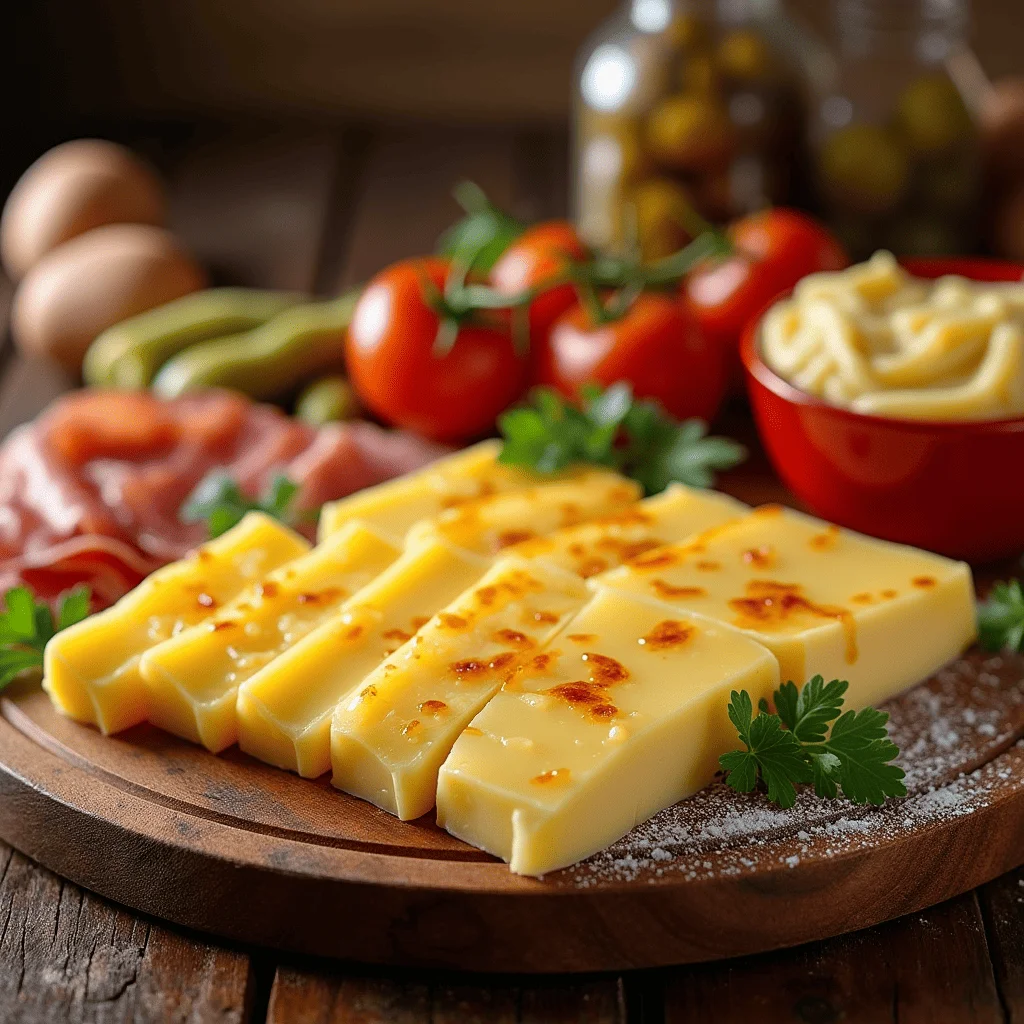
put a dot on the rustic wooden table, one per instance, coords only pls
(316, 209)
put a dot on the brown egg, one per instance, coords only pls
(94, 281)
(71, 189)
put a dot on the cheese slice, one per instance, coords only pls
(389, 739)
(394, 506)
(192, 679)
(91, 670)
(822, 599)
(284, 710)
(594, 547)
(622, 715)
(371, 750)
(490, 524)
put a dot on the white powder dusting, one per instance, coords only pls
(950, 731)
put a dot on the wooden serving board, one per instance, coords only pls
(231, 846)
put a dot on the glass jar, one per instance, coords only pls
(896, 152)
(686, 106)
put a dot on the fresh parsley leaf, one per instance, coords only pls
(1001, 618)
(612, 428)
(218, 501)
(794, 746)
(26, 625)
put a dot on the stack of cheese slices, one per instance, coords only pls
(548, 662)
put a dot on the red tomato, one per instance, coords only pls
(774, 250)
(536, 256)
(657, 346)
(389, 350)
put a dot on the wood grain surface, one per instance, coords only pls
(969, 955)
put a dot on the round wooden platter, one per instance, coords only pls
(230, 846)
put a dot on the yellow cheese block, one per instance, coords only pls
(390, 737)
(623, 714)
(488, 525)
(822, 599)
(594, 547)
(91, 670)
(192, 679)
(394, 506)
(284, 710)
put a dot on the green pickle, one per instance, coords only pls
(271, 360)
(327, 400)
(932, 117)
(129, 354)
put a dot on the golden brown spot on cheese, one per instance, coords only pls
(572, 514)
(669, 633)
(863, 598)
(419, 621)
(541, 663)
(411, 727)
(433, 707)
(267, 589)
(203, 555)
(668, 590)
(396, 634)
(577, 550)
(890, 594)
(446, 620)
(924, 582)
(224, 624)
(604, 670)
(368, 692)
(658, 559)
(582, 638)
(762, 557)
(707, 566)
(604, 711)
(355, 632)
(827, 540)
(509, 537)
(559, 775)
(205, 600)
(591, 697)
(472, 730)
(512, 638)
(591, 566)
(324, 596)
(622, 493)
(771, 509)
(478, 668)
(770, 605)
(549, 618)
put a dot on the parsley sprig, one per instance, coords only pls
(612, 428)
(794, 746)
(219, 503)
(1001, 618)
(27, 624)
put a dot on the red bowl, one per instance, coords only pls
(955, 488)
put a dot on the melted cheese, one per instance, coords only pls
(91, 670)
(622, 715)
(389, 739)
(192, 679)
(822, 599)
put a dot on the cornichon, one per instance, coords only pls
(327, 400)
(129, 354)
(268, 361)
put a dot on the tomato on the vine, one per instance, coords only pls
(400, 375)
(656, 345)
(773, 250)
(539, 254)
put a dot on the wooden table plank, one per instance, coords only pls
(921, 969)
(325, 996)
(71, 957)
(1002, 904)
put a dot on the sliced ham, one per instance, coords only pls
(90, 492)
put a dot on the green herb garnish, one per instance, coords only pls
(1001, 618)
(612, 428)
(219, 503)
(794, 746)
(27, 624)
